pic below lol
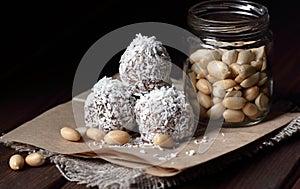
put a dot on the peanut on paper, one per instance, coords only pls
(70, 134)
(162, 140)
(117, 137)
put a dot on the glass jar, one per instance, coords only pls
(229, 62)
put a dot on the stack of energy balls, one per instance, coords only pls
(143, 99)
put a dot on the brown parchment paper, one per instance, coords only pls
(44, 132)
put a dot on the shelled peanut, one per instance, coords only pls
(115, 137)
(17, 161)
(231, 84)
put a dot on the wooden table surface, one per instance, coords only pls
(40, 77)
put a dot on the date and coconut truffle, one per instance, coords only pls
(142, 97)
(164, 111)
(145, 65)
(108, 106)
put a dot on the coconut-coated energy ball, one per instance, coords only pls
(145, 65)
(108, 106)
(164, 111)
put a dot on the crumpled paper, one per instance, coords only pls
(94, 172)
(44, 132)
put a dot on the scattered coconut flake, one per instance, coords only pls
(95, 144)
(162, 158)
(205, 139)
(166, 157)
(190, 153)
(173, 155)
(143, 151)
(158, 147)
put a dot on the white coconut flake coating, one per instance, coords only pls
(145, 64)
(165, 111)
(108, 106)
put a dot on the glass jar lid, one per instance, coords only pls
(229, 19)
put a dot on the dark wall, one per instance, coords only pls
(44, 41)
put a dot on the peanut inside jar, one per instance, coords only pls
(231, 85)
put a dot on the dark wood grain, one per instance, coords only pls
(294, 182)
(46, 176)
(273, 168)
(297, 184)
(71, 185)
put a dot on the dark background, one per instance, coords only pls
(44, 41)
